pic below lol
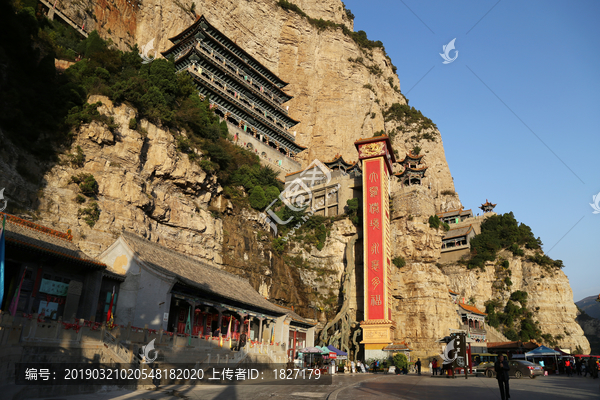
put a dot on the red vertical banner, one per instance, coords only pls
(374, 175)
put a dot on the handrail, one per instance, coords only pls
(64, 17)
(237, 75)
(251, 110)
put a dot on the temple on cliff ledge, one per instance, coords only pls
(413, 170)
(240, 90)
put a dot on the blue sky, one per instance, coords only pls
(519, 109)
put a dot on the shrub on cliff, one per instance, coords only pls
(87, 184)
(434, 222)
(91, 214)
(257, 198)
(399, 262)
(352, 211)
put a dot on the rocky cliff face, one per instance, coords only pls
(341, 92)
(340, 89)
(144, 186)
(549, 295)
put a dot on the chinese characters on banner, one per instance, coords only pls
(375, 197)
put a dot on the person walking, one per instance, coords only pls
(591, 366)
(418, 365)
(353, 365)
(435, 366)
(430, 367)
(568, 367)
(501, 367)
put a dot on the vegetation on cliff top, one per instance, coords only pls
(502, 232)
(409, 115)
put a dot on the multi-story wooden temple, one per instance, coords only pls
(240, 89)
(487, 206)
(413, 170)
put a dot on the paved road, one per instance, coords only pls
(373, 386)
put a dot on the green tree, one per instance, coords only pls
(271, 193)
(400, 360)
(352, 210)
(434, 222)
(257, 198)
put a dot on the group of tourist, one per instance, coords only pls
(581, 366)
(436, 367)
(590, 366)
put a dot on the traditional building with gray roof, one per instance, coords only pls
(48, 274)
(164, 289)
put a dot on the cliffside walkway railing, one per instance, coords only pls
(53, 10)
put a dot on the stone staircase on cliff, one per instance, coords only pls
(494, 335)
(52, 10)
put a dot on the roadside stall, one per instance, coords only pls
(312, 357)
(549, 356)
(337, 354)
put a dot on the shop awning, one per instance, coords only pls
(542, 351)
(337, 351)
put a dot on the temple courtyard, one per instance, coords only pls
(373, 386)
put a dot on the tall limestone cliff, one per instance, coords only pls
(342, 91)
(549, 295)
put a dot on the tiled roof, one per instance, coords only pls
(410, 169)
(471, 309)
(458, 232)
(195, 273)
(34, 236)
(397, 346)
(411, 156)
(487, 203)
(453, 213)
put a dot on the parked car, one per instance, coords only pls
(519, 369)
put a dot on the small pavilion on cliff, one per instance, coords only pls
(487, 206)
(413, 170)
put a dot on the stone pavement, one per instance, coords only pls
(371, 386)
